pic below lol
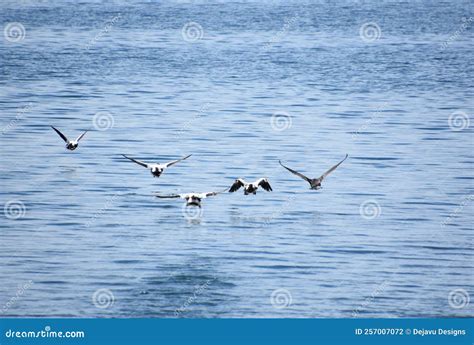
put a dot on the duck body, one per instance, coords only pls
(250, 188)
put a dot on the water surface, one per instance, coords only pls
(91, 221)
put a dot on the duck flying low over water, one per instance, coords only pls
(250, 188)
(192, 199)
(156, 169)
(315, 183)
(70, 144)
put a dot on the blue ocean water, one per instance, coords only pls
(240, 85)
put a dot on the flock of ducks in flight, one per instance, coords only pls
(194, 199)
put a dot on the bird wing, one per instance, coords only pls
(332, 168)
(168, 196)
(205, 195)
(80, 137)
(296, 173)
(215, 193)
(263, 182)
(237, 184)
(143, 164)
(60, 134)
(176, 161)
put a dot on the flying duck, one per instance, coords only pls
(70, 144)
(250, 188)
(315, 183)
(157, 168)
(192, 199)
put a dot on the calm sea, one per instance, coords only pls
(240, 85)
